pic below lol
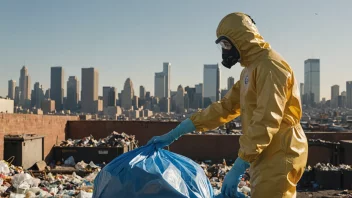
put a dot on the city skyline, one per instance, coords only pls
(39, 36)
(229, 81)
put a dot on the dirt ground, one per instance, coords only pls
(325, 194)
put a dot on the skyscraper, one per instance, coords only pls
(37, 96)
(335, 92)
(191, 95)
(142, 92)
(159, 85)
(211, 83)
(127, 94)
(301, 91)
(90, 88)
(342, 99)
(349, 94)
(199, 95)
(72, 93)
(230, 82)
(25, 90)
(57, 87)
(11, 89)
(180, 100)
(17, 95)
(312, 81)
(162, 85)
(109, 96)
(47, 94)
(166, 70)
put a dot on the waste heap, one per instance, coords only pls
(217, 172)
(16, 182)
(115, 139)
(326, 167)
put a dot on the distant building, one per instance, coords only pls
(109, 96)
(112, 112)
(57, 87)
(211, 82)
(191, 95)
(47, 94)
(341, 101)
(127, 94)
(312, 81)
(142, 92)
(48, 106)
(147, 113)
(230, 82)
(349, 94)
(6, 105)
(90, 88)
(11, 89)
(134, 114)
(199, 95)
(180, 100)
(335, 91)
(223, 92)
(72, 93)
(98, 107)
(37, 96)
(147, 95)
(17, 95)
(162, 85)
(159, 85)
(135, 103)
(25, 83)
(301, 91)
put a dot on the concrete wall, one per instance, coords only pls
(52, 127)
(201, 147)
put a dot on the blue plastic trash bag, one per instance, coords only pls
(149, 173)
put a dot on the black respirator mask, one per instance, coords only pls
(230, 55)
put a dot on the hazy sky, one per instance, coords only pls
(132, 38)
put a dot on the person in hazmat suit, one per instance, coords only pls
(273, 145)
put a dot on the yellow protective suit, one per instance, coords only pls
(268, 100)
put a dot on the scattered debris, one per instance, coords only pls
(41, 165)
(114, 140)
(16, 182)
(217, 172)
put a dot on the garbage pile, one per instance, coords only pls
(114, 140)
(330, 167)
(19, 183)
(217, 172)
(320, 141)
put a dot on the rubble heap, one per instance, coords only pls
(217, 172)
(115, 139)
(330, 167)
(16, 182)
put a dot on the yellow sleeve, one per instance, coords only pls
(271, 87)
(219, 113)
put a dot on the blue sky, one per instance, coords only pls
(133, 38)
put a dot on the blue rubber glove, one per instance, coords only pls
(233, 178)
(184, 127)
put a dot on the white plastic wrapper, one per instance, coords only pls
(4, 168)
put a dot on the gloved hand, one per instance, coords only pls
(233, 177)
(184, 127)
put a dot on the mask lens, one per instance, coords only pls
(225, 45)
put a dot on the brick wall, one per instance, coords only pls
(52, 127)
(202, 147)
